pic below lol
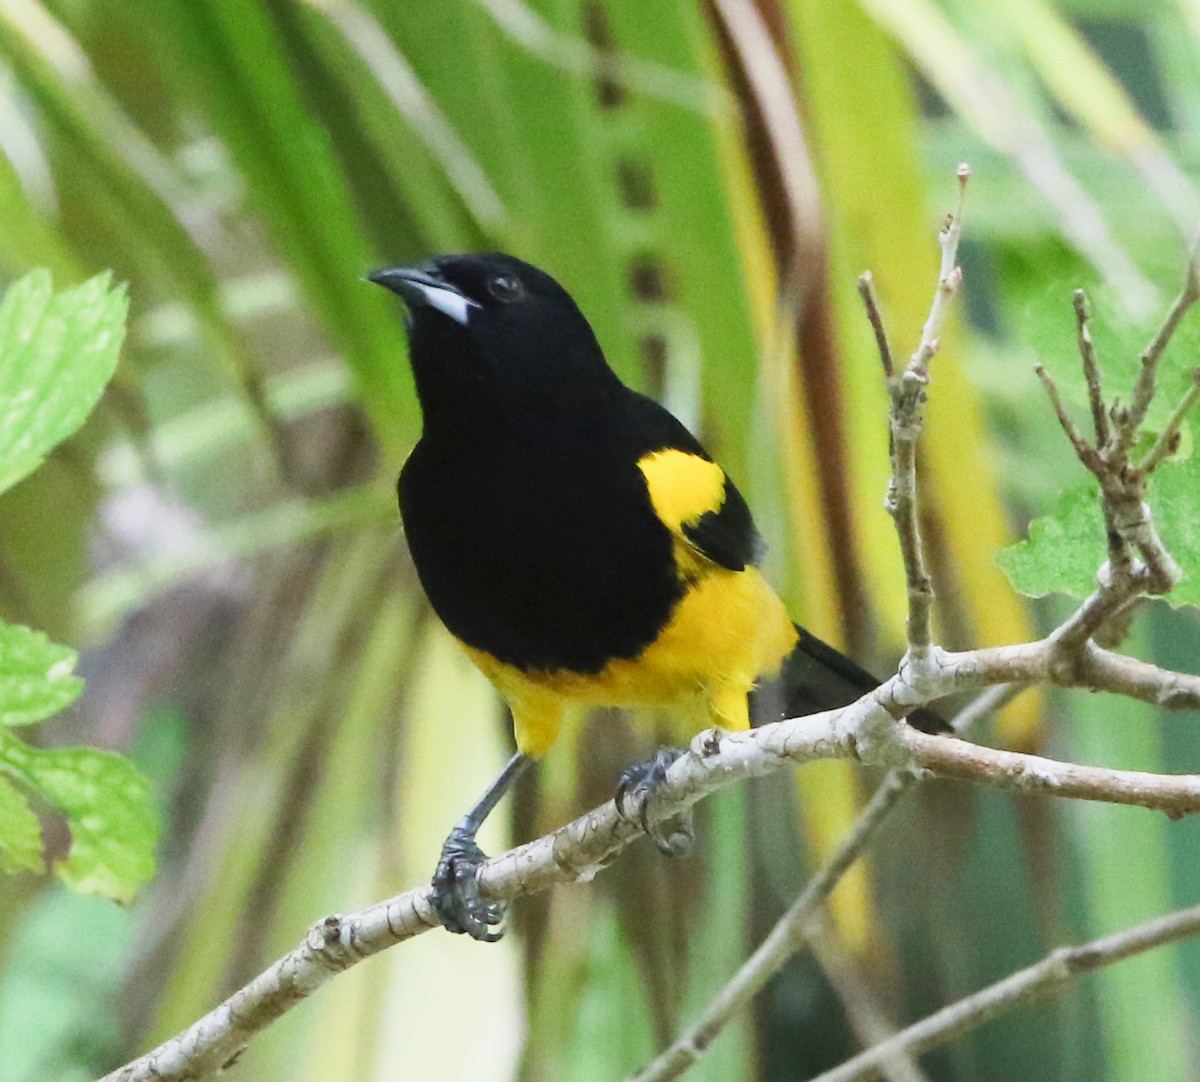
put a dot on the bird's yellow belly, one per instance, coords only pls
(728, 630)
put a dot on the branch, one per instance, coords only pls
(949, 279)
(1084, 450)
(1130, 422)
(906, 419)
(1130, 529)
(1058, 969)
(578, 851)
(1168, 439)
(1091, 373)
(866, 290)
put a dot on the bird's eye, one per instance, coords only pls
(505, 287)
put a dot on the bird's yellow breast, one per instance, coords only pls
(728, 630)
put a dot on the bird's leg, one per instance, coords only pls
(673, 835)
(456, 881)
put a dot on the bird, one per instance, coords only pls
(578, 542)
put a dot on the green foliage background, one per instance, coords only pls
(220, 540)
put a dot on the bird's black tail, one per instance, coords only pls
(817, 677)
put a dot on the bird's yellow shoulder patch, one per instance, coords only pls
(683, 487)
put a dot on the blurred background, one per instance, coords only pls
(709, 178)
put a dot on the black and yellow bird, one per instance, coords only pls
(575, 538)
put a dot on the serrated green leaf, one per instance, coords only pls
(1064, 549)
(57, 352)
(109, 809)
(36, 676)
(20, 833)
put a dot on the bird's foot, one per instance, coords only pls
(456, 891)
(637, 785)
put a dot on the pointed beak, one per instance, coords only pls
(420, 288)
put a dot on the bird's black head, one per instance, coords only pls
(490, 333)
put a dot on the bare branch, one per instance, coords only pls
(1090, 371)
(1042, 662)
(907, 421)
(1144, 388)
(1108, 602)
(1058, 969)
(866, 290)
(902, 505)
(581, 849)
(1176, 794)
(1105, 670)
(1067, 657)
(938, 756)
(1168, 439)
(1087, 454)
(949, 279)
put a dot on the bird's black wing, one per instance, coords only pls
(727, 536)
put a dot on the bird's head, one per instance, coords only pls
(488, 331)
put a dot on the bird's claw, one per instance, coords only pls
(638, 784)
(456, 891)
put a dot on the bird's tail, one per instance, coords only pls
(817, 677)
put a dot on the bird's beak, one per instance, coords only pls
(420, 288)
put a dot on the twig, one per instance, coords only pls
(1042, 663)
(1096, 612)
(1168, 439)
(1105, 670)
(1176, 794)
(788, 935)
(907, 420)
(952, 758)
(949, 279)
(1128, 525)
(1083, 449)
(866, 290)
(1143, 391)
(1058, 969)
(1090, 372)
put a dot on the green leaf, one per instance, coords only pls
(20, 833)
(1064, 550)
(109, 809)
(57, 352)
(36, 676)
